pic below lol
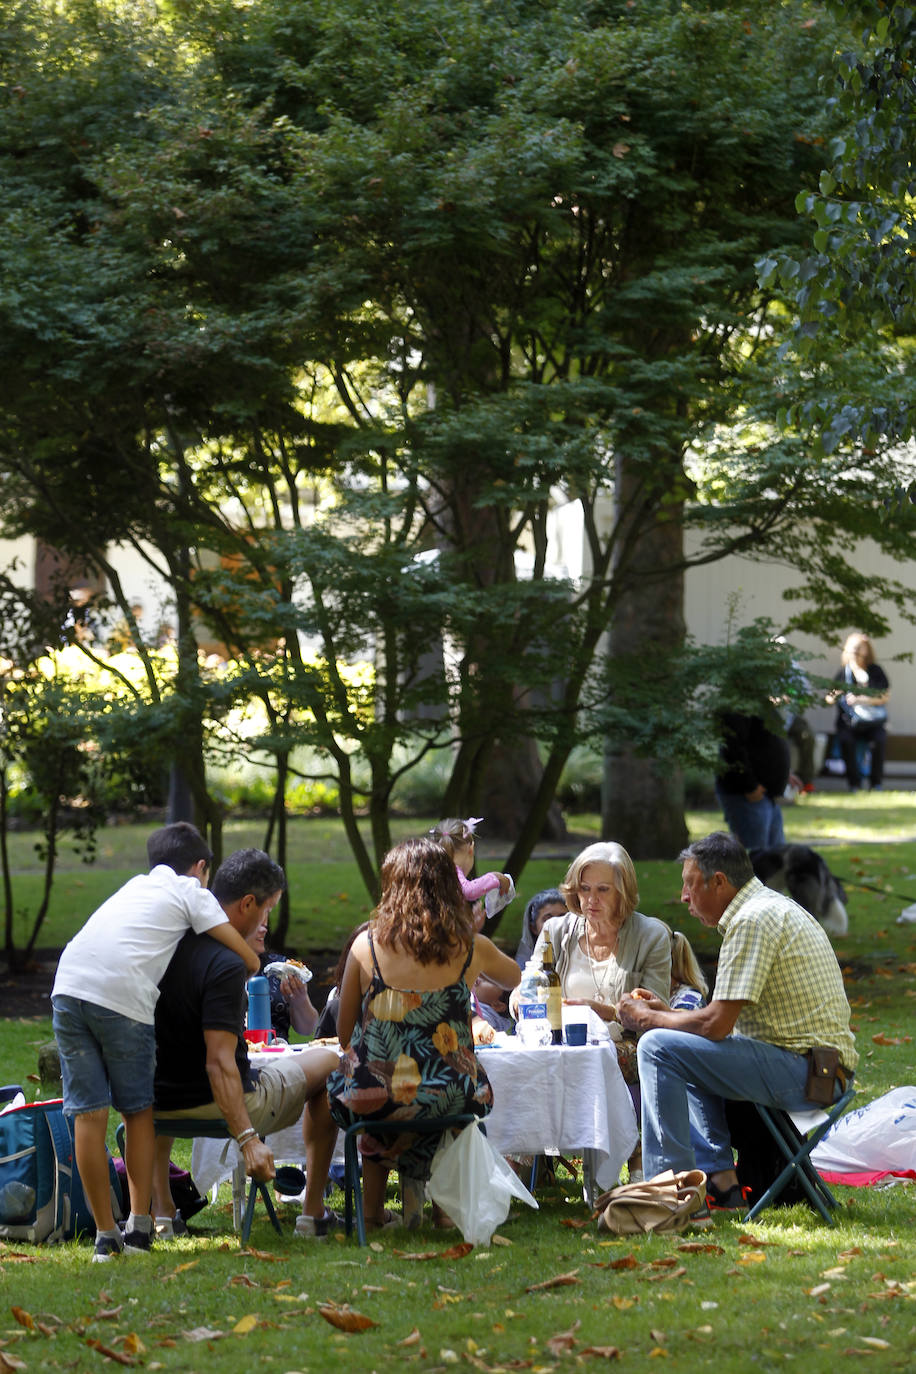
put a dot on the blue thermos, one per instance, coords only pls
(258, 1003)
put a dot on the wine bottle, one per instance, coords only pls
(554, 995)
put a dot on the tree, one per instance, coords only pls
(852, 282)
(326, 312)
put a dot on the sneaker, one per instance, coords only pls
(137, 1242)
(317, 1228)
(166, 1228)
(725, 1199)
(700, 1219)
(106, 1248)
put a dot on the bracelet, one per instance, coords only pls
(243, 1137)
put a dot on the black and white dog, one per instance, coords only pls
(799, 871)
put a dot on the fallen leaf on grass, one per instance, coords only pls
(623, 1303)
(601, 1352)
(625, 1262)
(563, 1340)
(751, 1257)
(109, 1314)
(499, 1240)
(882, 1039)
(257, 1254)
(118, 1356)
(755, 1241)
(454, 1252)
(245, 1324)
(200, 1333)
(701, 1247)
(667, 1274)
(413, 1338)
(558, 1281)
(16, 1257)
(11, 1363)
(817, 1290)
(23, 1318)
(667, 1263)
(344, 1318)
(133, 1344)
(875, 1341)
(574, 1223)
(849, 1254)
(242, 1281)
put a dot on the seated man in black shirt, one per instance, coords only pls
(202, 1066)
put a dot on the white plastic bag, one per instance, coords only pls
(474, 1184)
(879, 1137)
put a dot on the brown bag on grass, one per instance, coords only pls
(663, 1203)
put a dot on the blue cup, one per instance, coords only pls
(575, 1033)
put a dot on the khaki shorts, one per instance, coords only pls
(277, 1100)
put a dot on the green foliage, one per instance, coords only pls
(322, 313)
(853, 285)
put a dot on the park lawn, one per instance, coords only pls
(787, 1288)
(328, 897)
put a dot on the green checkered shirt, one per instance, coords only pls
(778, 961)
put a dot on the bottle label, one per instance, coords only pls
(555, 1007)
(533, 1011)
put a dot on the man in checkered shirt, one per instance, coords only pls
(779, 992)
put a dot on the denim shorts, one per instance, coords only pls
(105, 1058)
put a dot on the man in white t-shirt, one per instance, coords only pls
(104, 1000)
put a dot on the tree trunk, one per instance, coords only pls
(642, 799)
(506, 790)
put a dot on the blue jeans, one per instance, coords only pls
(684, 1079)
(758, 825)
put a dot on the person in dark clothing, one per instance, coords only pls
(754, 776)
(861, 716)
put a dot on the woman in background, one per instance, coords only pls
(861, 716)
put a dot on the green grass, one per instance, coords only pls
(796, 1292)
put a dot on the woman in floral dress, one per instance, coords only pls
(405, 1020)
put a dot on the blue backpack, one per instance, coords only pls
(41, 1196)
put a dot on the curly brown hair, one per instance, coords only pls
(422, 908)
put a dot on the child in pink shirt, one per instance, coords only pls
(457, 839)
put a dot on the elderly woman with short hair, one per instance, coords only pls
(603, 947)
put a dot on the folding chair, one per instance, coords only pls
(188, 1127)
(353, 1193)
(797, 1154)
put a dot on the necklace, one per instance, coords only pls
(602, 985)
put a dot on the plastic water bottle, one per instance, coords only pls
(16, 1203)
(533, 1026)
(258, 1003)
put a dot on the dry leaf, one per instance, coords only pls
(817, 1290)
(667, 1263)
(454, 1252)
(267, 1255)
(670, 1274)
(563, 1340)
(700, 1247)
(623, 1303)
(751, 1257)
(499, 1240)
(601, 1352)
(110, 1354)
(23, 1318)
(558, 1281)
(242, 1281)
(109, 1314)
(10, 1362)
(849, 1254)
(245, 1324)
(199, 1333)
(344, 1318)
(575, 1224)
(412, 1339)
(883, 1039)
(625, 1262)
(133, 1344)
(746, 1239)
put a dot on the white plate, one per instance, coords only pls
(284, 969)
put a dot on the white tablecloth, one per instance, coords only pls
(552, 1100)
(562, 1100)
